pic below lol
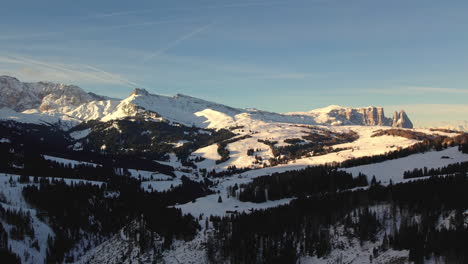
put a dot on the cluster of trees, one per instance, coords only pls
(309, 181)
(460, 168)
(318, 144)
(86, 208)
(6, 255)
(444, 130)
(87, 213)
(24, 153)
(21, 222)
(294, 141)
(464, 148)
(138, 136)
(223, 151)
(231, 170)
(9, 257)
(328, 138)
(409, 134)
(437, 143)
(303, 227)
(131, 143)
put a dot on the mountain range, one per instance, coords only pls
(50, 102)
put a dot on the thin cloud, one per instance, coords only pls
(87, 30)
(148, 23)
(177, 42)
(437, 90)
(113, 76)
(26, 36)
(233, 5)
(32, 68)
(417, 90)
(120, 13)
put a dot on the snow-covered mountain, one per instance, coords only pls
(44, 96)
(48, 101)
(370, 116)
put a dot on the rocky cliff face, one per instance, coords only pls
(401, 120)
(43, 96)
(365, 116)
(16, 95)
(371, 116)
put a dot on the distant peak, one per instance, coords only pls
(327, 109)
(6, 77)
(179, 95)
(182, 95)
(139, 91)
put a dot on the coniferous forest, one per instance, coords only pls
(306, 225)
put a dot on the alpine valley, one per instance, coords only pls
(86, 178)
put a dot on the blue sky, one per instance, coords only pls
(280, 56)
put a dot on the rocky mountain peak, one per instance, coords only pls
(402, 120)
(139, 91)
(363, 116)
(72, 102)
(43, 96)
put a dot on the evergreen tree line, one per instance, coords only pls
(132, 143)
(231, 170)
(317, 145)
(409, 134)
(19, 158)
(464, 148)
(137, 136)
(6, 255)
(283, 234)
(308, 181)
(460, 168)
(223, 151)
(21, 222)
(86, 209)
(437, 143)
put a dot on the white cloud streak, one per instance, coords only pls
(417, 90)
(177, 42)
(27, 36)
(33, 69)
(233, 5)
(85, 30)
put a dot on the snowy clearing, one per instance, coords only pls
(394, 169)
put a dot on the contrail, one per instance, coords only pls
(227, 5)
(98, 74)
(86, 30)
(177, 41)
(114, 76)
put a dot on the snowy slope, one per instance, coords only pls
(15, 200)
(35, 117)
(365, 145)
(394, 169)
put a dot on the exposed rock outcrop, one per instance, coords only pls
(363, 116)
(371, 116)
(401, 120)
(43, 96)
